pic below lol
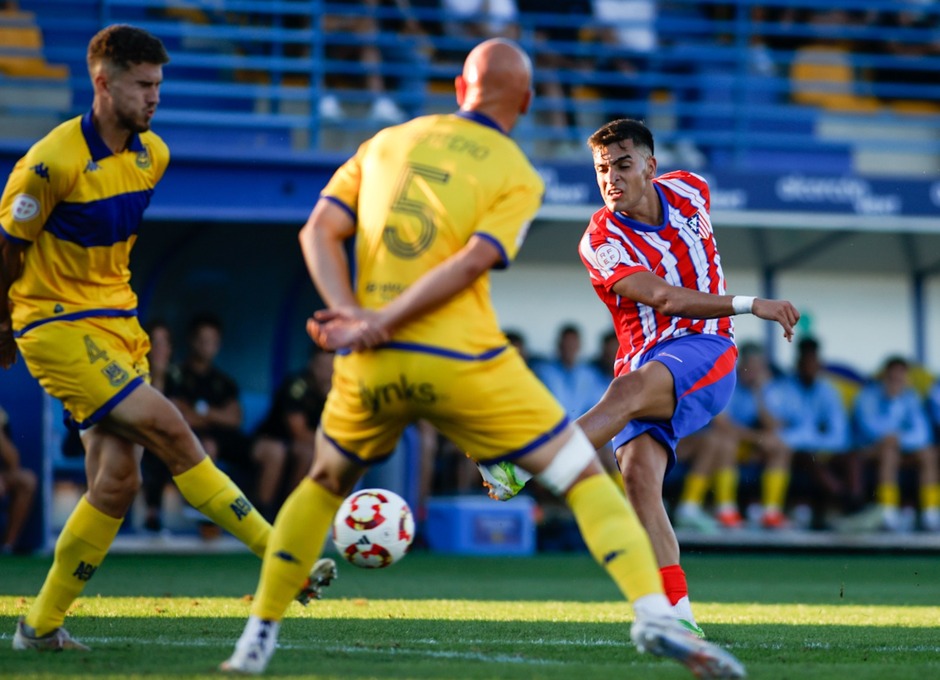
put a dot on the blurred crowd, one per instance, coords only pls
(600, 59)
(815, 447)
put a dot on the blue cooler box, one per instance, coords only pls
(474, 525)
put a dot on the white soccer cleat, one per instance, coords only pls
(693, 518)
(666, 637)
(254, 648)
(683, 612)
(56, 641)
(323, 573)
(503, 480)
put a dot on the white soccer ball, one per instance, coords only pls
(373, 528)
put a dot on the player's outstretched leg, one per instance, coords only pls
(503, 480)
(666, 637)
(59, 639)
(322, 575)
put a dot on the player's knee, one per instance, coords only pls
(566, 467)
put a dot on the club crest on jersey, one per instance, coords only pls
(143, 159)
(701, 225)
(116, 375)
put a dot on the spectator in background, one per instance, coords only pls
(817, 431)
(933, 409)
(552, 29)
(760, 418)
(711, 456)
(922, 41)
(626, 30)
(156, 475)
(575, 383)
(17, 487)
(283, 449)
(351, 36)
(892, 430)
(209, 400)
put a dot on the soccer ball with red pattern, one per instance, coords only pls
(373, 528)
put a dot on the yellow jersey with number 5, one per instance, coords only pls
(78, 206)
(418, 192)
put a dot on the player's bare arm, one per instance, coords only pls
(322, 242)
(651, 290)
(11, 266)
(340, 329)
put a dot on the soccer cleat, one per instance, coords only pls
(322, 575)
(254, 648)
(729, 519)
(666, 637)
(503, 480)
(774, 519)
(693, 518)
(693, 628)
(25, 638)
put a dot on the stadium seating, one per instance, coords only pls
(741, 85)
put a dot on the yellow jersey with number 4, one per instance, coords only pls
(418, 192)
(79, 207)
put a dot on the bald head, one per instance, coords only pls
(496, 81)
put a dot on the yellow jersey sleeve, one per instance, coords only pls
(507, 220)
(37, 183)
(346, 181)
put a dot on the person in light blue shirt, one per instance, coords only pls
(892, 429)
(817, 430)
(576, 384)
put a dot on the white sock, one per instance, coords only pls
(683, 610)
(654, 606)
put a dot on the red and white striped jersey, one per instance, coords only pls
(681, 250)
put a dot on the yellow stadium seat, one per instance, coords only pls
(18, 30)
(823, 75)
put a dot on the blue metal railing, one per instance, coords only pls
(724, 76)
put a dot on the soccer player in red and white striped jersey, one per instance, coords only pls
(652, 258)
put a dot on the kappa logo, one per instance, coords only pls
(42, 170)
(91, 166)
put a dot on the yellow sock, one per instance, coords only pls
(299, 531)
(774, 485)
(618, 480)
(930, 496)
(215, 495)
(79, 551)
(726, 487)
(888, 495)
(614, 536)
(694, 489)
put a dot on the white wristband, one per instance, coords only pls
(742, 304)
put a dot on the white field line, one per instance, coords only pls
(428, 645)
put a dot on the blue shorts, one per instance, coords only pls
(702, 367)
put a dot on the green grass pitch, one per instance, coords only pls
(813, 617)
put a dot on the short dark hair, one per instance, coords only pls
(620, 130)
(121, 45)
(201, 320)
(807, 345)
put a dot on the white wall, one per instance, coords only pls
(859, 319)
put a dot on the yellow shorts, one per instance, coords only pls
(493, 409)
(89, 364)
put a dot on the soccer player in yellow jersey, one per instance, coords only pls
(68, 219)
(434, 204)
